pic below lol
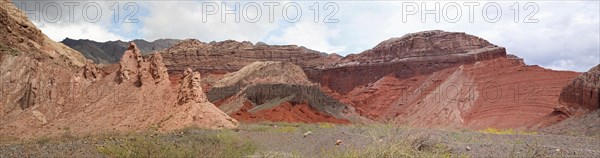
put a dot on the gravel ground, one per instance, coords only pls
(292, 140)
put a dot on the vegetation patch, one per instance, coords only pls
(506, 131)
(408, 148)
(326, 125)
(185, 143)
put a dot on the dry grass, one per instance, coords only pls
(417, 144)
(286, 127)
(506, 131)
(184, 143)
(420, 147)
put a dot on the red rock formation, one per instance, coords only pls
(142, 70)
(88, 105)
(285, 112)
(276, 91)
(408, 56)
(42, 94)
(495, 93)
(582, 95)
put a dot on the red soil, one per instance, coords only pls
(285, 112)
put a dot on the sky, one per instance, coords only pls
(560, 35)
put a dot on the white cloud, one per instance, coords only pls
(91, 31)
(309, 34)
(62, 19)
(184, 20)
(566, 36)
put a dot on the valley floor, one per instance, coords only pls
(295, 140)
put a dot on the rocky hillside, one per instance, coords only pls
(269, 72)
(20, 36)
(496, 93)
(230, 56)
(48, 89)
(413, 54)
(110, 52)
(277, 91)
(426, 79)
(444, 79)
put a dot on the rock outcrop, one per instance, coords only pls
(142, 70)
(190, 88)
(582, 95)
(425, 44)
(194, 109)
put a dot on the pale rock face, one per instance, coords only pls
(130, 64)
(190, 89)
(268, 72)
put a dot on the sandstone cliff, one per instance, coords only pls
(582, 94)
(578, 110)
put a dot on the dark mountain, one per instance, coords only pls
(111, 51)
